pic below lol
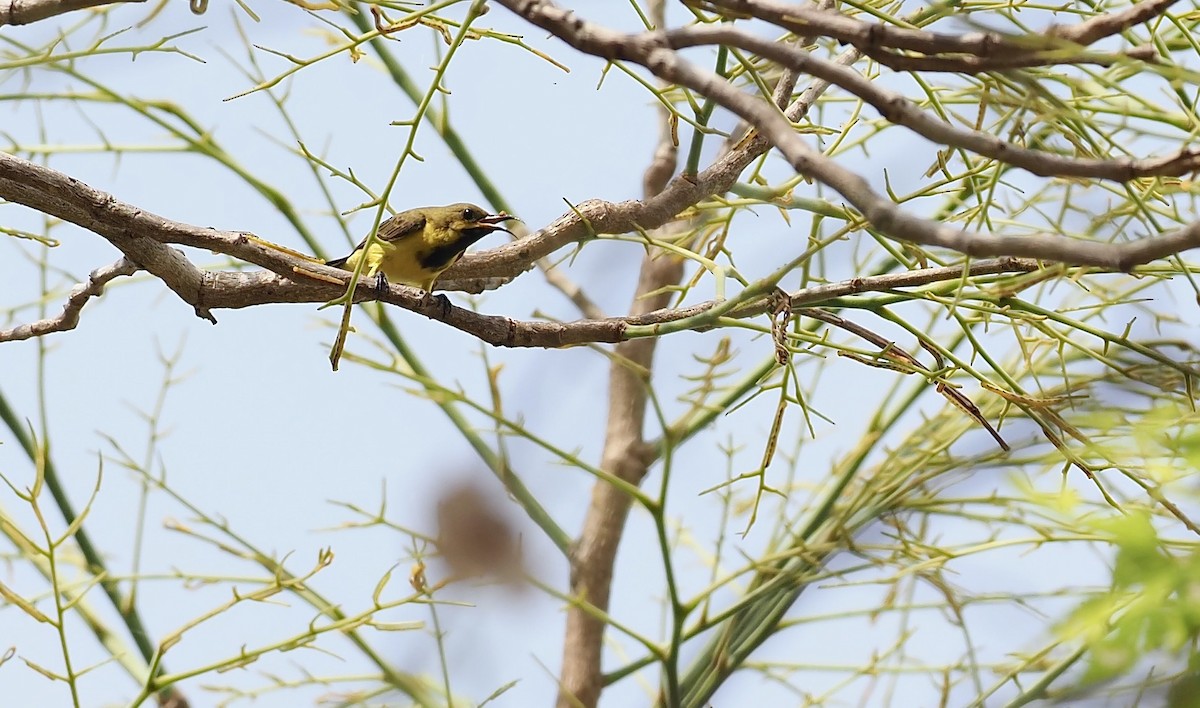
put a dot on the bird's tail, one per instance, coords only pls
(338, 262)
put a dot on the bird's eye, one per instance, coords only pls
(469, 214)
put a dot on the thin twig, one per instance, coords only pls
(80, 294)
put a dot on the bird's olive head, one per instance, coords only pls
(468, 217)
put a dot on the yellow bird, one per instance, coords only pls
(415, 246)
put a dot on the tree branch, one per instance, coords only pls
(972, 52)
(23, 12)
(1106, 25)
(126, 227)
(80, 294)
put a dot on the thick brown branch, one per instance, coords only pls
(1097, 28)
(978, 65)
(56, 194)
(238, 290)
(809, 20)
(23, 12)
(141, 235)
(627, 456)
(972, 52)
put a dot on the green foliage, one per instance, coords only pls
(1152, 609)
(1153, 605)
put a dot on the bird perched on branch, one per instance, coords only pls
(415, 246)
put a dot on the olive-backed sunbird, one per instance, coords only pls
(415, 246)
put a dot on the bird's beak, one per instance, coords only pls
(493, 221)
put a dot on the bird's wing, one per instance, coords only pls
(401, 226)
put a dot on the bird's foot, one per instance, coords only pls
(442, 301)
(381, 286)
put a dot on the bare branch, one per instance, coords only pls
(978, 65)
(809, 20)
(23, 12)
(128, 228)
(79, 296)
(972, 52)
(238, 290)
(1101, 26)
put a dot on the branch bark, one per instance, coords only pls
(80, 295)
(23, 12)
(972, 52)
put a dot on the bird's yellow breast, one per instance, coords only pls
(400, 262)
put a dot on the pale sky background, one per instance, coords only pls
(263, 435)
